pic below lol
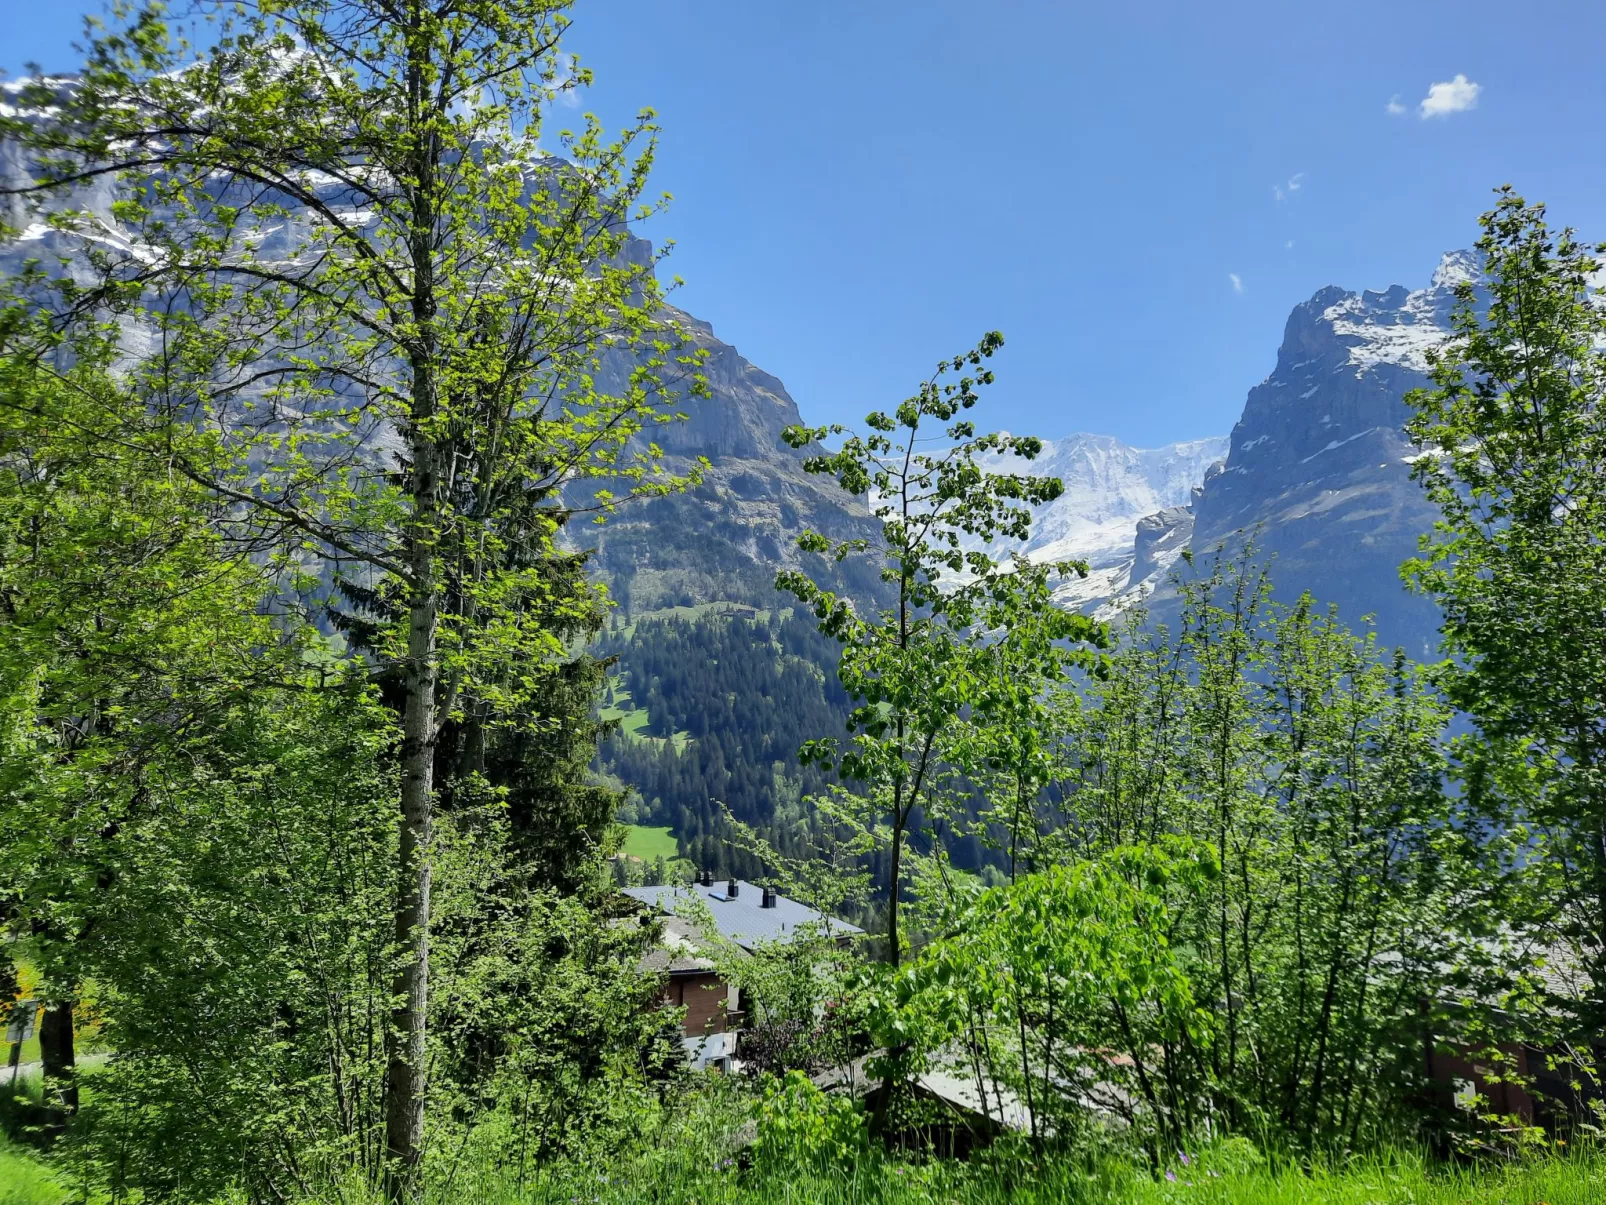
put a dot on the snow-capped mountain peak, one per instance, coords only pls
(1457, 267)
(1397, 326)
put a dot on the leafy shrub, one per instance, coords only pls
(801, 1126)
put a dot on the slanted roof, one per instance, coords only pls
(679, 952)
(1558, 964)
(743, 920)
(994, 1102)
(945, 1080)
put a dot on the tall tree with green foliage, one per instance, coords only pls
(365, 282)
(1031, 655)
(1513, 452)
(911, 669)
(198, 824)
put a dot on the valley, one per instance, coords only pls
(1315, 476)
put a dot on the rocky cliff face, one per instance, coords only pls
(1318, 473)
(725, 539)
(1161, 537)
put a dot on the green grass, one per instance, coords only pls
(26, 1180)
(1391, 1182)
(697, 611)
(691, 1158)
(1397, 1181)
(1381, 1182)
(647, 843)
(633, 720)
(702, 1177)
(630, 722)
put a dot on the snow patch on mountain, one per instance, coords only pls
(1109, 486)
(1400, 327)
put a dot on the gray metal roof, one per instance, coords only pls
(742, 920)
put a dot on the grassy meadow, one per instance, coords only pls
(696, 1156)
(1576, 1180)
(647, 842)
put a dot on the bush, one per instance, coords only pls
(800, 1126)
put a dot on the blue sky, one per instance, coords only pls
(865, 186)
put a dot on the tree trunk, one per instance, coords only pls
(58, 1066)
(405, 1085)
(404, 1104)
(889, 1081)
(894, 951)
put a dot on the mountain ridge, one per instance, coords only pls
(1317, 466)
(1109, 486)
(1318, 474)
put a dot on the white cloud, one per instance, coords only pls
(1394, 108)
(1294, 181)
(1280, 192)
(564, 88)
(1450, 96)
(1237, 282)
(1289, 245)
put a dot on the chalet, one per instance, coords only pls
(746, 916)
(1555, 1086)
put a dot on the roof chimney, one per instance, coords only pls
(708, 878)
(769, 898)
(732, 889)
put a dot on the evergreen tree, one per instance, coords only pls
(730, 700)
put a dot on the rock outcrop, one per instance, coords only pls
(725, 539)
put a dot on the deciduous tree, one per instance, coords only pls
(1512, 443)
(361, 278)
(912, 668)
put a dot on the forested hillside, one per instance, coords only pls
(729, 699)
(714, 708)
